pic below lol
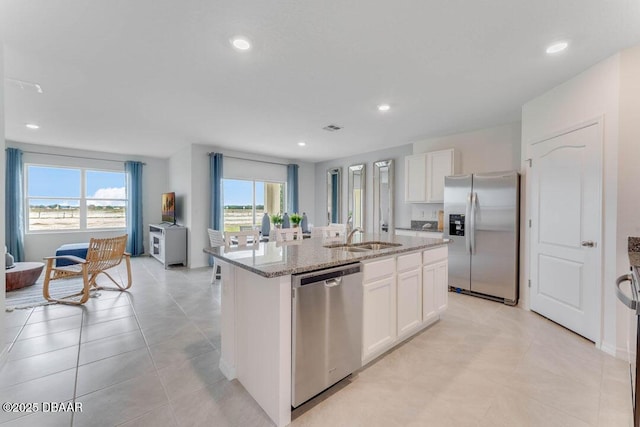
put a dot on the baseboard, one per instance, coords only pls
(228, 372)
(609, 349)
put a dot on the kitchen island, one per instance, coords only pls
(404, 285)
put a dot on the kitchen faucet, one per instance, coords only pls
(354, 231)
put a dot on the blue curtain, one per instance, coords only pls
(14, 202)
(135, 229)
(334, 197)
(292, 188)
(215, 171)
(215, 176)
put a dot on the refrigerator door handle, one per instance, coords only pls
(472, 231)
(467, 228)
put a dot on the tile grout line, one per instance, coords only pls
(153, 362)
(15, 339)
(75, 381)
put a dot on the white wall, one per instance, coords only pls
(484, 150)
(593, 93)
(154, 177)
(402, 210)
(628, 178)
(189, 177)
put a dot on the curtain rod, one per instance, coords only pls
(249, 160)
(76, 157)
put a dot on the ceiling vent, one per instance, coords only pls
(29, 86)
(332, 128)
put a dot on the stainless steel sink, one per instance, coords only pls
(376, 246)
(364, 246)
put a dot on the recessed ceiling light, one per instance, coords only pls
(241, 43)
(557, 47)
(302, 143)
(32, 126)
(384, 107)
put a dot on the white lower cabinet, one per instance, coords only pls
(409, 285)
(429, 309)
(401, 296)
(442, 285)
(379, 307)
(409, 301)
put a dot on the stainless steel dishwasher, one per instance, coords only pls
(326, 329)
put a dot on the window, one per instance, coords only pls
(245, 202)
(61, 198)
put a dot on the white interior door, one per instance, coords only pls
(566, 215)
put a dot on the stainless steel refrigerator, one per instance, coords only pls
(482, 220)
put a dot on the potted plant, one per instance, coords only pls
(295, 219)
(276, 219)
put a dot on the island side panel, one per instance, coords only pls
(227, 363)
(263, 341)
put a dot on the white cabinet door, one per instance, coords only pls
(415, 178)
(439, 165)
(379, 317)
(409, 301)
(441, 285)
(429, 309)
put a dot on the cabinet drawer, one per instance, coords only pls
(409, 262)
(378, 269)
(434, 255)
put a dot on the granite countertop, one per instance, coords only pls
(273, 259)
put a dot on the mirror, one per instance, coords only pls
(357, 181)
(383, 197)
(333, 195)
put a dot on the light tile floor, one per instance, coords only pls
(150, 358)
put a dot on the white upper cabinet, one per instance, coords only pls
(415, 185)
(439, 165)
(424, 175)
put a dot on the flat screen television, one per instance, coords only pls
(169, 207)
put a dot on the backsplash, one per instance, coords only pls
(424, 225)
(633, 243)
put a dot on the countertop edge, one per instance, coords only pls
(313, 267)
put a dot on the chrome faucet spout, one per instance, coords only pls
(352, 233)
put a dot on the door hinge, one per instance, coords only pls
(530, 161)
(529, 282)
(529, 223)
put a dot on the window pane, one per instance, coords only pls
(260, 187)
(50, 214)
(53, 182)
(106, 214)
(238, 204)
(106, 185)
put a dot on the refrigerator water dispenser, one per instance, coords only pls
(456, 225)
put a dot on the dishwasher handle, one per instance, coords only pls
(629, 302)
(331, 283)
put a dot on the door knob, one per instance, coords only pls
(588, 243)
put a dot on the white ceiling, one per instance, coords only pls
(150, 77)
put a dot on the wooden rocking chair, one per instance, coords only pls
(102, 255)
